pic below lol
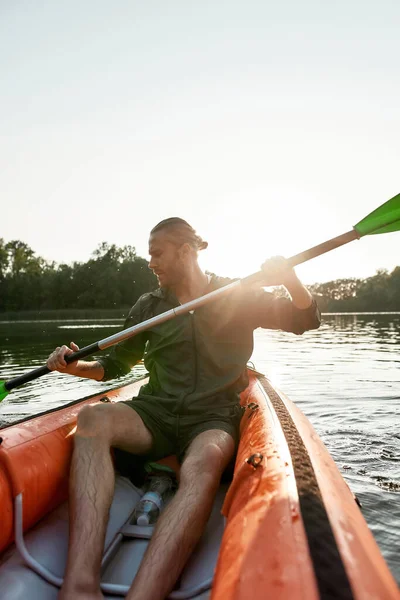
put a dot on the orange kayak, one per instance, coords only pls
(285, 526)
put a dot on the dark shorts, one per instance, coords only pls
(172, 433)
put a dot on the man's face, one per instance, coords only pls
(166, 259)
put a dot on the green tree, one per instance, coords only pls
(22, 259)
(115, 277)
(3, 259)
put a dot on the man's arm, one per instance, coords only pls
(296, 315)
(81, 368)
(277, 272)
(300, 295)
(118, 362)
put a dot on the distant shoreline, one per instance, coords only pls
(65, 314)
(366, 312)
(119, 314)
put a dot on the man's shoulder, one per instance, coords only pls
(149, 297)
(145, 302)
(217, 281)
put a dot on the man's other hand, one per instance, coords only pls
(277, 271)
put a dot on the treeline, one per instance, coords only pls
(379, 293)
(112, 278)
(115, 277)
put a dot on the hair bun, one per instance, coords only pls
(182, 232)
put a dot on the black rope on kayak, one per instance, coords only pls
(332, 580)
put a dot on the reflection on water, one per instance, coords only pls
(27, 344)
(345, 377)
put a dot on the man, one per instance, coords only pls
(190, 406)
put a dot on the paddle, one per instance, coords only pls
(384, 219)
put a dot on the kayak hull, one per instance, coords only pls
(290, 527)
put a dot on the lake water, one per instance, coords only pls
(345, 377)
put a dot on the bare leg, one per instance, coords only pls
(91, 490)
(182, 523)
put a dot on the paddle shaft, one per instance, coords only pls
(297, 259)
(313, 252)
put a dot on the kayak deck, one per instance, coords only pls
(124, 548)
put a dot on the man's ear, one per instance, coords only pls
(185, 250)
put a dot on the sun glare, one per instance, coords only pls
(275, 226)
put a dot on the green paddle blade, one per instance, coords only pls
(384, 219)
(3, 391)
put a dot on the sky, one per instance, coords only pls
(270, 127)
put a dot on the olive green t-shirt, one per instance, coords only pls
(198, 356)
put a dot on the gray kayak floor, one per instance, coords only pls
(47, 542)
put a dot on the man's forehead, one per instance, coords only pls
(158, 240)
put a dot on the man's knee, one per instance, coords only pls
(94, 421)
(205, 467)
